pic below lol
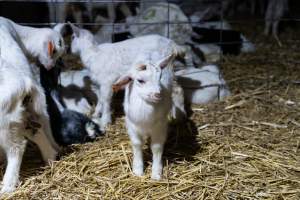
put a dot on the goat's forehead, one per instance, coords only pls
(149, 73)
(85, 33)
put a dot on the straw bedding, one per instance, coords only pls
(246, 147)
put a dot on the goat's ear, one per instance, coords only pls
(121, 83)
(60, 28)
(75, 29)
(165, 61)
(50, 48)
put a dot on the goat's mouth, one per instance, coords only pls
(154, 99)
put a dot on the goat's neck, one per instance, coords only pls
(28, 36)
(88, 53)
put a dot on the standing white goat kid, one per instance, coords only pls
(147, 104)
(107, 62)
(22, 102)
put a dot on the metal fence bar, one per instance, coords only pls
(168, 22)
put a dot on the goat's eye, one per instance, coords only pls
(141, 81)
(60, 43)
(142, 67)
(73, 37)
(54, 51)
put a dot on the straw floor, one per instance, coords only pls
(246, 147)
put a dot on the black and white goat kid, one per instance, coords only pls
(68, 126)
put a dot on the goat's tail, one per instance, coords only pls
(55, 97)
(183, 52)
(179, 50)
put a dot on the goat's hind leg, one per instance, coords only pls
(14, 148)
(43, 138)
(106, 97)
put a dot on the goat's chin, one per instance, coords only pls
(48, 65)
(152, 100)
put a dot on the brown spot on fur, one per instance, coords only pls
(50, 48)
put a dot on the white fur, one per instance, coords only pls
(18, 83)
(178, 110)
(202, 85)
(107, 62)
(146, 108)
(211, 52)
(111, 9)
(247, 46)
(34, 41)
(155, 13)
(78, 91)
(59, 10)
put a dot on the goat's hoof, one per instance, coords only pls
(104, 123)
(138, 171)
(156, 177)
(7, 189)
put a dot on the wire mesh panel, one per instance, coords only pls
(245, 146)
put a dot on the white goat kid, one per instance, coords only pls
(45, 44)
(275, 11)
(147, 104)
(22, 101)
(107, 62)
(202, 85)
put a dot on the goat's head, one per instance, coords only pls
(53, 47)
(80, 37)
(146, 78)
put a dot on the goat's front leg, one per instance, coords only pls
(47, 151)
(157, 148)
(78, 17)
(188, 57)
(14, 150)
(267, 27)
(106, 97)
(111, 12)
(44, 139)
(137, 143)
(275, 28)
(178, 110)
(275, 32)
(98, 109)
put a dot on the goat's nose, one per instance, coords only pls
(157, 95)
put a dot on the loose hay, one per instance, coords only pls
(246, 147)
